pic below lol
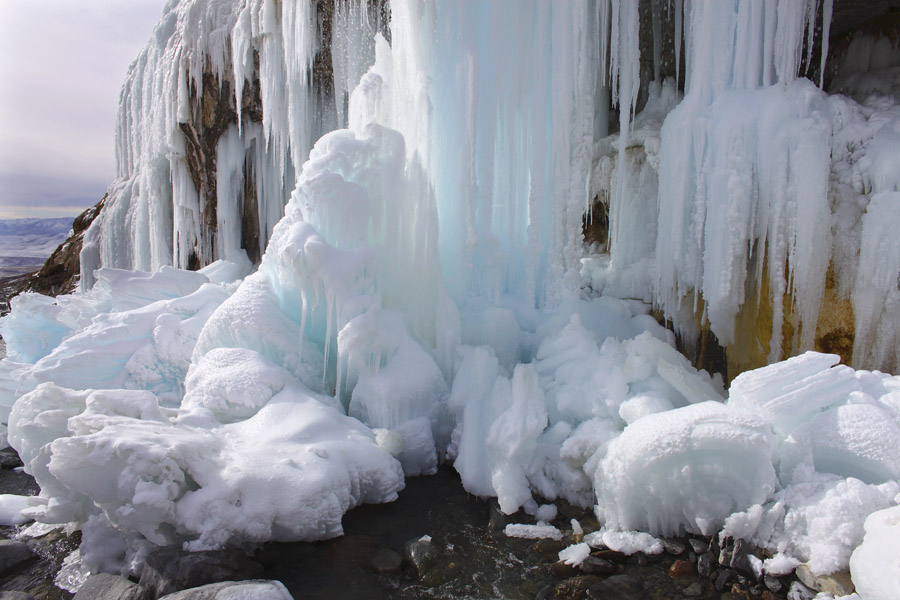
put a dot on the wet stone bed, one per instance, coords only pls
(435, 541)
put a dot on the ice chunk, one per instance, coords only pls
(854, 440)
(513, 435)
(638, 406)
(818, 520)
(626, 542)
(875, 564)
(792, 392)
(11, 507)
(574, 555)
(545, 513)
(532, 532)
(686, 469)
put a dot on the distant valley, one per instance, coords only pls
(26, 243)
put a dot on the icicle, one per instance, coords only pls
(827, 9)
(812, 9)
(656, 28)
(679, 20)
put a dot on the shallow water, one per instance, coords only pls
(479, 561)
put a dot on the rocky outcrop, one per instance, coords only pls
(60, 273)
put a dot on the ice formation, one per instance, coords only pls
(420, 300)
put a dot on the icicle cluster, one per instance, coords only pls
(164, 208)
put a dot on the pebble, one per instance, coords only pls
(110, 587)
(421, 554)
(836, 584)
(693, 590)
(725, 575)
(681, 569)
(13, 554)
(705, 565)
(386, 561)
(773, 583)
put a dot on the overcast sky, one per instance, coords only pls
(62, 64)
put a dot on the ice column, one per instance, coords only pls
(497, 99)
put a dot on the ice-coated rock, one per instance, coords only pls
(686, 469)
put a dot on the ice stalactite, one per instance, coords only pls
(744, 175)
(218, 73)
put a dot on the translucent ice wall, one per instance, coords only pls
(497, 98)
(216, 115)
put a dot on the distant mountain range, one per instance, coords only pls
(26, 243)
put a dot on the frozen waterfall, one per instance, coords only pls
(423, 292)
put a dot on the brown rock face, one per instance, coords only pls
(60, 273)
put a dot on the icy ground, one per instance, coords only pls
(27, 243)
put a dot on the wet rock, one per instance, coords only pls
(561, 570)
(170, 569)
(9, 459)
(497, 520)
(13, 554)
(386, 561)
(674, 547)
(594, 565)
(725, 575)
(698, 546)
(705, 565)
(421, 554)
(836, 584)
(621, 587)
(694, 590)
(611, 555)
(726, 554)
(258, 589)
(681, 569)
(440, 573)
(110, 587)
(549, 548)
(575, 588)
(773, 583)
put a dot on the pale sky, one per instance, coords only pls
(62, 65)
